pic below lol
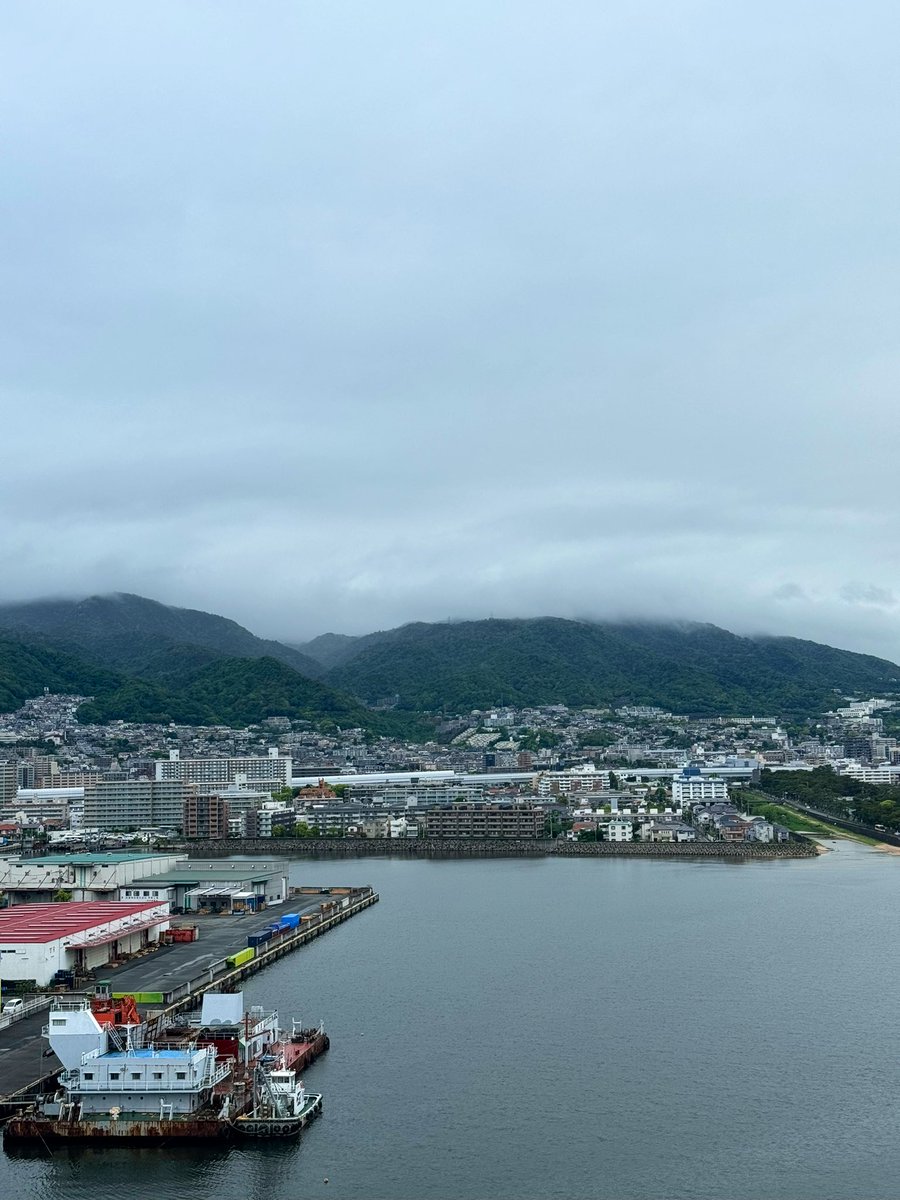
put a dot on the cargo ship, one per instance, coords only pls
(190, 1083)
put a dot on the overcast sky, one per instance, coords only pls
(331, 316)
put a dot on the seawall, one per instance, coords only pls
(495, 848)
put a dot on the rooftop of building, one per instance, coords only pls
(28, 923)
(87, 858)
(224, 871)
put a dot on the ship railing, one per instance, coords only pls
(73, 1080)
(135, 1086)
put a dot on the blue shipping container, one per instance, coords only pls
(292, 920)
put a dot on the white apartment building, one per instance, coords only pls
(271, 772)
(883, 775)
(619, 831)
(689, 788)
(584, 778)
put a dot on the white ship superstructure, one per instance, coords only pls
(106, 1072)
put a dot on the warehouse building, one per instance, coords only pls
(38, 940)
(85, 876)
(226, 885)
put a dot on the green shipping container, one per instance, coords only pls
(242, 956)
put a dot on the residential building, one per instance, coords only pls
(135, 804)
(9, 781)
(272, 771)
(690, 787)
(205, 816)
(484, 821)
(263, 821)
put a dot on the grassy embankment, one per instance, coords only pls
(758, 804)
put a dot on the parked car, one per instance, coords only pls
(13, 1006)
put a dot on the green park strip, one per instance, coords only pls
(800, 822)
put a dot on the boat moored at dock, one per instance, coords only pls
(191, 1083)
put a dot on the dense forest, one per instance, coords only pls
(145, 661)
(699, 669)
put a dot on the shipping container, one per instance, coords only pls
(241, 957)
(292, 920)
(259, 939)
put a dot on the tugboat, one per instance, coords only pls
(281, 1105)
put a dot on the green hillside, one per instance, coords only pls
(26, 669)
(686, 668)
(233, 692)
(128, 633)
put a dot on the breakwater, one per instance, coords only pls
(496, 848)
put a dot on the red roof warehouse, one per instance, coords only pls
(37, 940)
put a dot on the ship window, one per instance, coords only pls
(157, 1074)
(181, 1075)
(114, 1074)
(135, 1074)
(89, 1074)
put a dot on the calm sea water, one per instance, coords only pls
(574, 1029)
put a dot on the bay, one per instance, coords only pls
(520, 1028)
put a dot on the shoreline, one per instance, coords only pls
(512, 848)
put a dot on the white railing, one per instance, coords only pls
(207, 1079)
(29, 1007)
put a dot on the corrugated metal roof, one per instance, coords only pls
(27, 923)
(104, 857)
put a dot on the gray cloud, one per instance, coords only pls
(414, 313)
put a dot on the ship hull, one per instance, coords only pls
(124, 1131)
(278, 1127)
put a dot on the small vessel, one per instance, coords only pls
(281, 1105)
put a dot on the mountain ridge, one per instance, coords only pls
(199, 667)
(683, 666)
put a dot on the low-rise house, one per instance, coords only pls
(619, 830)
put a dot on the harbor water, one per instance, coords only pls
(520, 1028)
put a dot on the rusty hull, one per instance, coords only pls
(121, 1132)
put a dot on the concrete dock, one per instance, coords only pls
(182, 972)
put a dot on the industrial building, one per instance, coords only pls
(87, 876)
(226, 885)
(38, 940)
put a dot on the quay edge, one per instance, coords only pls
(797, 847)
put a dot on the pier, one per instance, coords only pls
(169, 981)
